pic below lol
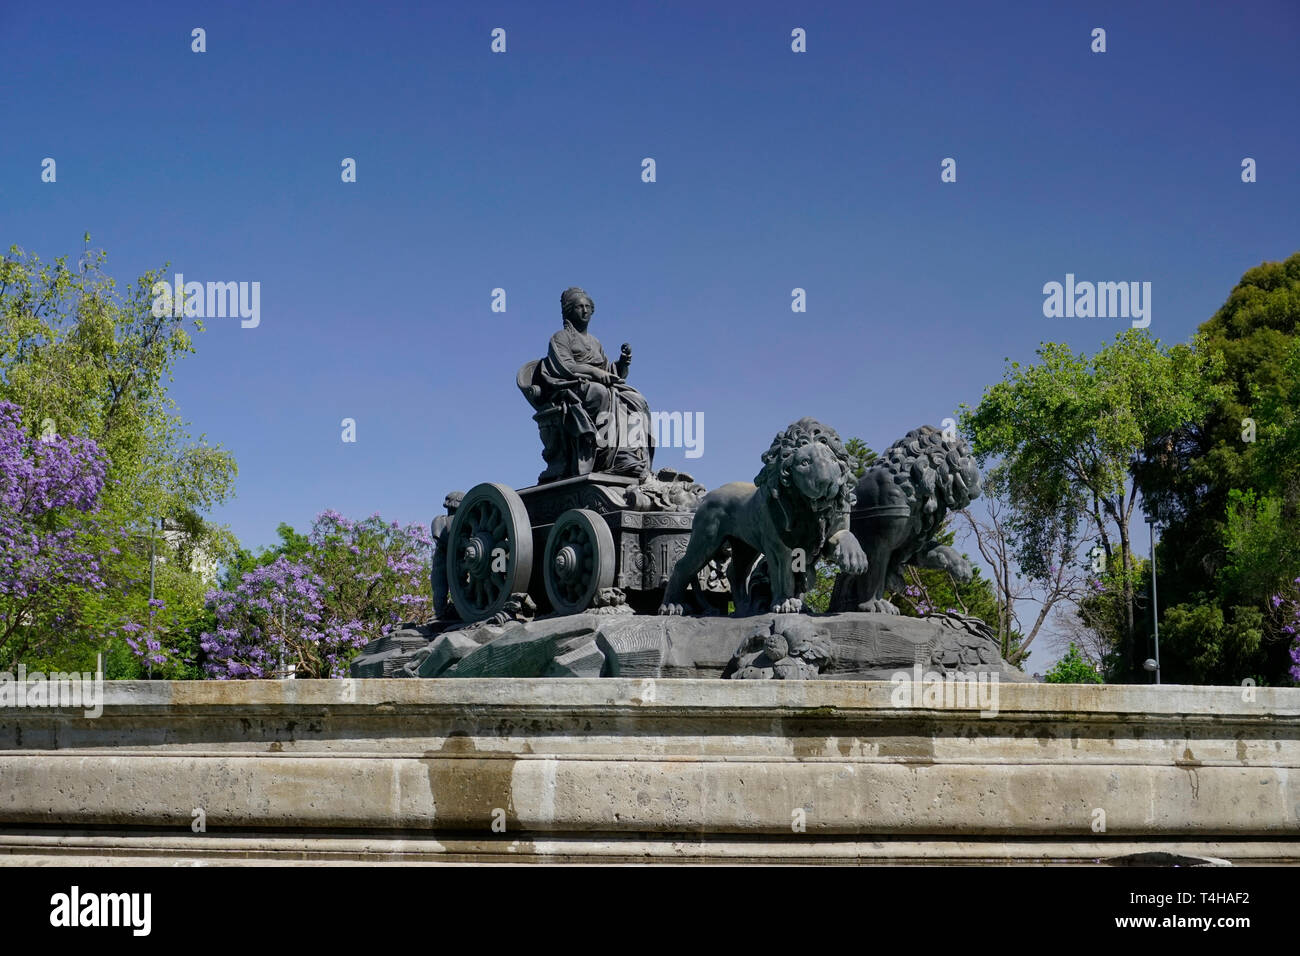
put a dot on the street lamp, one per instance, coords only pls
(1153, 664)
(156, 526)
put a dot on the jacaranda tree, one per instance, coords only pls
(354, 582)
(50, 488)
(82, 357)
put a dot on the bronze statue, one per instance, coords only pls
(901, 502)
(589, 418)
(441, 534)
(795, 513)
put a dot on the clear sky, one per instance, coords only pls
(522, 170)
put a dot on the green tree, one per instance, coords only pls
(353, 581)
(1034, 560)
(1228, 486)
(1073, 668)
(84, 359)
(1199, 643)
(1278, 412)
(293, 545)
(1068, 431)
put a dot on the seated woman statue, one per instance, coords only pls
(607, 419)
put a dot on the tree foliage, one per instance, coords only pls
(84, 360)
(1034, 560)
(313, 602)
(1073, 668)
(1068, 431)
(49, 502)
(1228, 486)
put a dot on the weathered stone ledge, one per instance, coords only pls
(623, 769)
(124, 697)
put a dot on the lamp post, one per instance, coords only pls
(1153, 517)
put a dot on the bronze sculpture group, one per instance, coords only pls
(575, 390)
(614, 536)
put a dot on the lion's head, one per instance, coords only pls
(807, 465)
(936, 472)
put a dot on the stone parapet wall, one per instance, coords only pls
(611, 768)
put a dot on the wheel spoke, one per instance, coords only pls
(491, 522)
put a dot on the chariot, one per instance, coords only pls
(572, 545)
(599, 531)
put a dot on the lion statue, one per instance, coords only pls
(796, 511)
(901, 502)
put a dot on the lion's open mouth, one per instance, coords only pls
(824, 501)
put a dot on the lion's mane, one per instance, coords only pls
(935, 475)
(774, 478)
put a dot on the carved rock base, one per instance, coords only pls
(849, 646)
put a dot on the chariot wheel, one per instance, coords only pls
(579, 560)
(489, 551)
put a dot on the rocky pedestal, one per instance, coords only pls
(849, 646)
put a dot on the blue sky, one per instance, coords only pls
(522, 170)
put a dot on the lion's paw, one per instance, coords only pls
(850, 556)
(788, 606)
(949, 559)
(672, 609)
(878, 606)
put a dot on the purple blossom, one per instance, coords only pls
(1289, 612)
(1286, 608)
(358, 580)
(49, 502)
